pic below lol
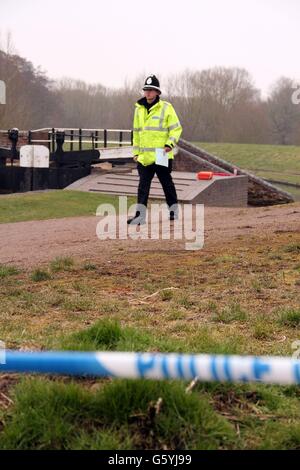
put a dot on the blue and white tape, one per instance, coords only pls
(207, 368)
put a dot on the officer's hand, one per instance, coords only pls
(135, 158)
(167, 149)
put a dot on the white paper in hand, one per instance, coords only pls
(161, 157)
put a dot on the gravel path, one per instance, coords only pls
(32, 243)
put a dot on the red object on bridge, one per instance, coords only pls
(205, 175)
(208, 175)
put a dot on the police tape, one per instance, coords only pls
(132, 365)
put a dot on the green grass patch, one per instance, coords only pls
(6, 271)
(283, 159)
(262, 330)
(65, 413)
(214, 310)
(290, 317)
(53, 204)
(295, 192)
(62, 263)
(229, 314)
(108, 335)
(89, 266)
(48, 415)
(292, 248)
(275, 162)
(39, 275)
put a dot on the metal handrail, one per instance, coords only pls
(85, 141)
(79, 136)
(72, 129)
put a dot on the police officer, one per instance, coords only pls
(155, 126)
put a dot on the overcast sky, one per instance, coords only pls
(113, 40)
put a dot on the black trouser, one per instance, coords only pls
(147, 173)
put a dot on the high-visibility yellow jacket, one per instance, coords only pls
(153, 130)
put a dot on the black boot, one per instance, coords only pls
(173, 215)
(138, 219)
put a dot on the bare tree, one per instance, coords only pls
(218, 104)
(283, 113)
(30, 101)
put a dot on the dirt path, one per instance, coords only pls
(28, 244)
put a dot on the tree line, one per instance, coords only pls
(215, 105)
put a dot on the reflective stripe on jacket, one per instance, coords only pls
(153, 130)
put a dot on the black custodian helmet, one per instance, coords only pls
(152, 83)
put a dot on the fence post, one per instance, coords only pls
(80, 139)
(71, 138)
(53, 140)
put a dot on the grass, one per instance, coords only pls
(65, 413)
(7, 270)
(293, 248)
(88, 266)
(276, 162)
(244, 301)
(117, 415)
(224, 294)
(295, 192)
(64, 263)
(230, 313)
(290, 317)
(53, 204)
(40, 275)
(279, 158)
